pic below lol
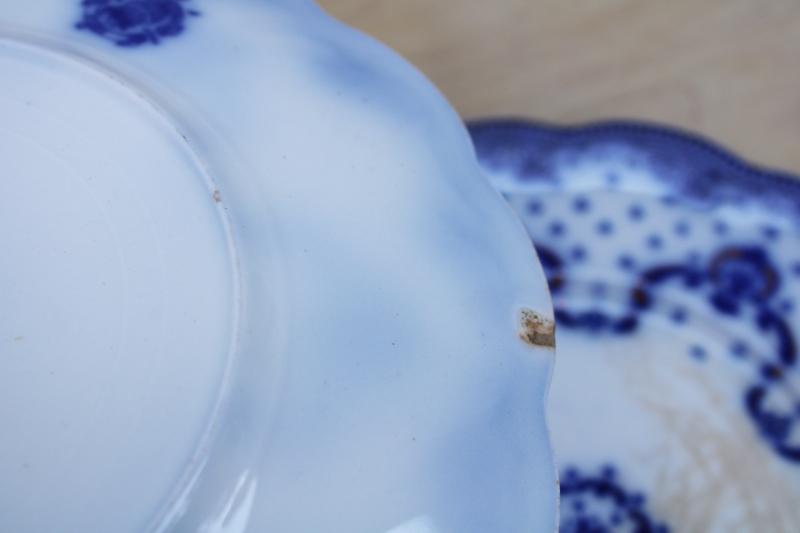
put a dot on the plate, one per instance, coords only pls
(675, 272)
(253, 280)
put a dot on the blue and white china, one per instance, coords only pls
(675, 272)
(254, 281)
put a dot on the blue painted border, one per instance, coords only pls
(708, 172)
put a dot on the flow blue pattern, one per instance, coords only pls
(132, 23)
(601, 503)
(643, 231)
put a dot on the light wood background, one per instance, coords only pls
(729, 69)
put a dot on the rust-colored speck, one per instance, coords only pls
(217, 196)
(537, 330)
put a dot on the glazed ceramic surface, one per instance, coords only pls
(254, 281)
(675, 271)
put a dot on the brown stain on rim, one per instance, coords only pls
(536, 329)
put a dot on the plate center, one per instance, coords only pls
(118, 299)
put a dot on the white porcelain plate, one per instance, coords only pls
(675, 272)
(253, 281)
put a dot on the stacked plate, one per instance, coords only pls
(675, 273)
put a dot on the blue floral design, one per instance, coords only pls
(131, 23)
(733, 278)
(741, 275)
(601, 504)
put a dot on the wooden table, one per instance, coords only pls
(729, 69)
